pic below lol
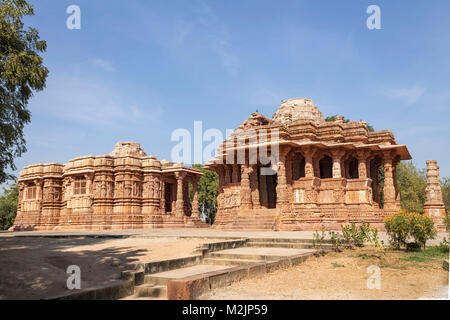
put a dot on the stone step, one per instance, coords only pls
(254, 219)
(152, 280)
(143, 298)
(230, 262)
(151, 290)
(284, 245)
(288, 240)
(162, 278)
(253, 228)
(262, 254)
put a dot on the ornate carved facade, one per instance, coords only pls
(434, 204)
(125, 189)
(324, 173)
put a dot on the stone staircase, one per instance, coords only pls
(214, 265)
(288, 243)
(256, 219)
(223, 264)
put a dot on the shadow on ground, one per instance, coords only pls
(35, 268)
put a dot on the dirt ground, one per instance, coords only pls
(344, 276)
(35, 268)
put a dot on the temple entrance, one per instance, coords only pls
(352, 171)
(272, 191)
(326, 168)
(267, 185)
(168, 196)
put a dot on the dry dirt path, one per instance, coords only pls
(35, 268)
(344, 276)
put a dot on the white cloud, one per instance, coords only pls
(88, 102)
(104, 65)
(409, 95)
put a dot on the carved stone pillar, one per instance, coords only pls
(434, 205)
(195, 214)
(235, 173)
(221, 173)
(282, 190)
(89, 183)
(246, 191)
(362, 164)
(337, 157)
(309, 166)
(254, 186)
(389, 188)
(227, 169)
(179, 204)
(163, 196)
(39, 193)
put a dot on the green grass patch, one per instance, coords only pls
(391, 266)
(365, 256)
(337, 265)
(428, 255)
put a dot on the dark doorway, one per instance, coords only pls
(353, 169)
(168, 196)
(272, 190)
(298, 167)
(267, 189)
(326, 167)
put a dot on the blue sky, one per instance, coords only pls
(137, 70)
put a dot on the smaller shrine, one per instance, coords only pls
(126, 189)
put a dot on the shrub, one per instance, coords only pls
(336, 240)
(421, 229)
(354, 235)
(404, 225)
(318, 238)
(397, 228)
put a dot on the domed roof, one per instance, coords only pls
(128, 149)
(297, 109)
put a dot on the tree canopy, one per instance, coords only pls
(8, 206)
(445, 185)
(411, 185)
(208, 190)
(333, 118)
(21, 74)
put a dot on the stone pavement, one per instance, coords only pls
(185, 232)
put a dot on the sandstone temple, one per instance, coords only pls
(123, 190)
(295, 171)
(325, 172)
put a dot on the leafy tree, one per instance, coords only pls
(21, 74)
(208, 190)
(333, 118)
(381, 184)
(445, 186)
(411, 184)
(8, 206)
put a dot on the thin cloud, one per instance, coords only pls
(409, 95)
(104, 65)
(91, 103)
